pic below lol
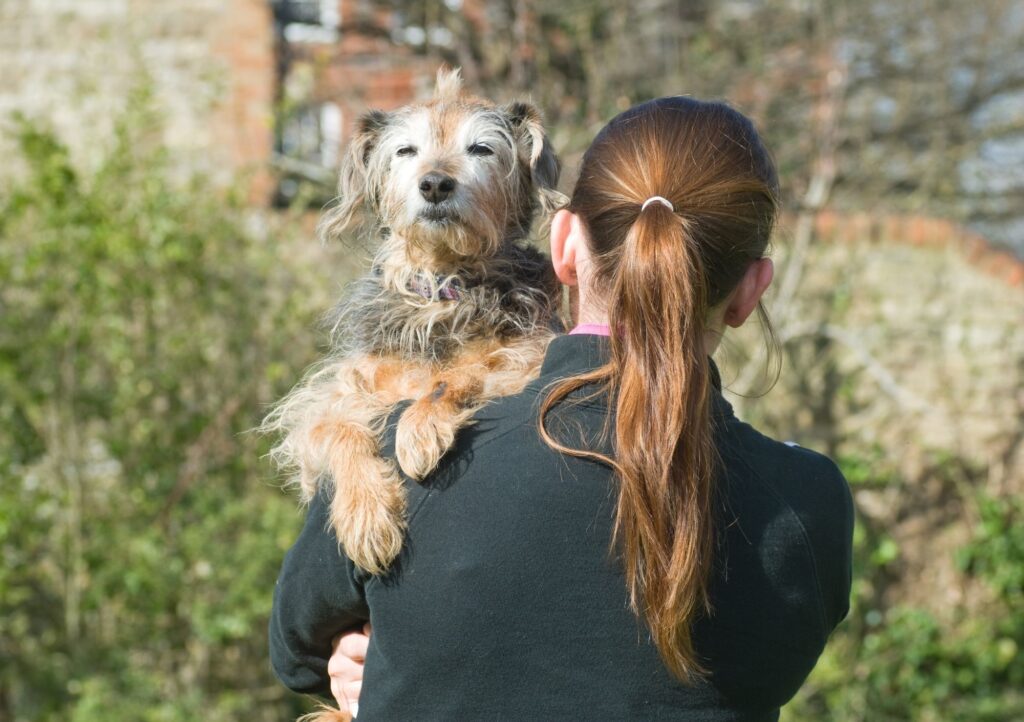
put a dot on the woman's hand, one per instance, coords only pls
(345, 667)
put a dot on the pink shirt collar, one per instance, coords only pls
(592, 329)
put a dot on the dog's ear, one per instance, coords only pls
(544, 166)
(357, 183)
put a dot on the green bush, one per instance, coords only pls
(902, 663)
(146, 325)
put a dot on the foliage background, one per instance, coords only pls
(148, 315)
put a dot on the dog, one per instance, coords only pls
(456, 310)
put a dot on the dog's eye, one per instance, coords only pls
(405, 150)
(480, 149)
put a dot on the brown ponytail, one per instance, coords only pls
(665, 268)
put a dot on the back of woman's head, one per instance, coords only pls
(664, 265)
(707, 160)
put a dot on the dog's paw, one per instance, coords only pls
(372, 536)
(368, 517)
(424, 433)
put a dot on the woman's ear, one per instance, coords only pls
(748, 292)
(563, 251)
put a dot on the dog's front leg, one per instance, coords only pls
(338, 443)
(368, 502)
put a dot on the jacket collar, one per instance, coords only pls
(570, 355)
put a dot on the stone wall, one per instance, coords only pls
(73, 64)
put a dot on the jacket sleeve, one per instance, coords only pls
(317, 596)
(827, 514)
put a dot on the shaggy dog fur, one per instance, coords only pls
(455, 311)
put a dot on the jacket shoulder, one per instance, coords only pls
(818, 500)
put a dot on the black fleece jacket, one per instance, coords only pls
(507, 602)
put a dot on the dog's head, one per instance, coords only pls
(451, 178)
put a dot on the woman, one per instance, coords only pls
(613, 543)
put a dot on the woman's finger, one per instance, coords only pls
(346, 691)
(351, 691)
(345, 667)
(338, 692)
(353, 645)
(346, 694)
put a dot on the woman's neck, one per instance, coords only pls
(591, 320)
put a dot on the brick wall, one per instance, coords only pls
(921, 231)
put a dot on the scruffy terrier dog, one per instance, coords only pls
(455, 311)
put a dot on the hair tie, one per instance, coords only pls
(658, 199)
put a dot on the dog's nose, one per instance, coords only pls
(435, 187)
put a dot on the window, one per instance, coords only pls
(308, 149)
(308, 21)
